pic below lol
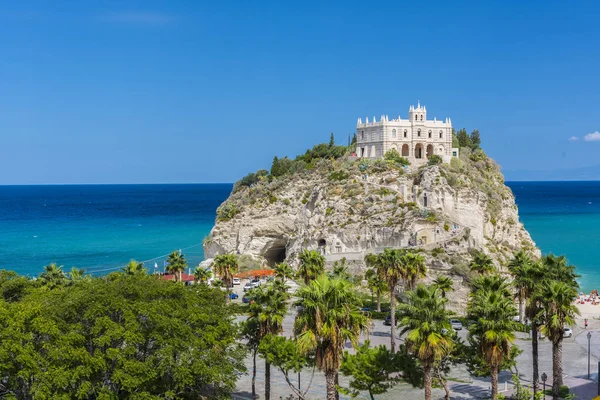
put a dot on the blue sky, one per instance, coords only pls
(192, 91)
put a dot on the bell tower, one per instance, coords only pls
(417, 114)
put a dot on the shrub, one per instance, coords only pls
(446, 227)
(394, 156)
(338, 175)
(384, 192)
(227, 211)
(435, 159)
(250, 179)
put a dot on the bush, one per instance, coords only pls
(227, 211)
(250, 179)
(435, 159)
(339, 175)
(393, 155)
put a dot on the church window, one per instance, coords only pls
(429, 134)
(416, 117)
(421, 118)
(441, 134)
(362, 135)
(419, 133)
(405, 133)
(394, 133)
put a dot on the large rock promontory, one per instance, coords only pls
(348, 208)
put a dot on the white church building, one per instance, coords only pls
(415, 138)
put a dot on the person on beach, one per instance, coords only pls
(585, 322)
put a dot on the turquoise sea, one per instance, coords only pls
(102, 227)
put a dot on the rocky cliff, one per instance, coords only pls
(347, 208)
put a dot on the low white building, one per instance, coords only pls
(415, 137)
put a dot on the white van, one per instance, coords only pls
(237, 281)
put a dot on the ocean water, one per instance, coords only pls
(564, 218)
(102, 227)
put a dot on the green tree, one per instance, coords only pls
(284, 354)
(53, 276)
(475, 139)
(312, 265)
(134, 268)
(482, 264)
(414, 268)
(268, 309)
(225, 265)
(251, 333)
(13, 286)
(426, 321)
(444, 284)
(283, 272)
(107, 339)
(202, 275)
(376, 285)
(77, 274)
(517, 267)
(463, 138)
(354, 140)
(557, 298)
(176, 264)
(492, 333)
(331, 140)
(329, 316)
(374, 370)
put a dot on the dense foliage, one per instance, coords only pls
(130, 337)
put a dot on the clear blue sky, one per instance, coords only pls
(192, 91)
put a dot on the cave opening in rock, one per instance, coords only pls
(322, 243)
(276, 253)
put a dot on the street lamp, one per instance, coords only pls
(589, 336)
(544, 378)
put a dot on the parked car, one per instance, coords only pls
(248, 286)
(255, 284)
(233, 296)
(365, 309)
(456, 324)
(567, 332)
(237, 281)
(246, 299)
(388, 321)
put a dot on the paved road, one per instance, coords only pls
(463, 385)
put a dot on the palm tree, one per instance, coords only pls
(390, 269)
(176, 264)
(328, 318)
(557, 298)
(202, 275)
(444, 284)
(53, 276)
(269, 309)
(77, 274)
(558, 269)
(340, 271)
(134, 268)
(492, 283)
(376, 284)
(225, 265)
(516, 267)
(414, 268)
(492, 332)
(482, 264)
(312, 265)
(529, 279)
(283, 272)
(425, 318)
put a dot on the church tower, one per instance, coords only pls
(418, 114)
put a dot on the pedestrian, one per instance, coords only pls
(585, 321)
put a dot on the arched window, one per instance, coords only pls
(405, 133)
(416, 117)
(441, 134)
(421, 118)
(362, 135)
(429, 135)
(419, 133)
(394, 133)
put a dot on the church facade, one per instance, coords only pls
(415, 138)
